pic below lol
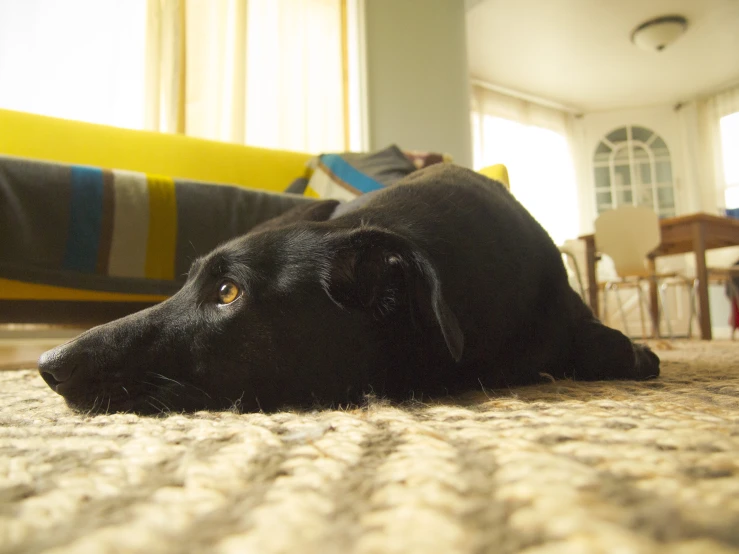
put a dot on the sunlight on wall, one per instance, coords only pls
(730, 148)
(77, 59)
(540, 168)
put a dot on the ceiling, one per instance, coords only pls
(579, 52)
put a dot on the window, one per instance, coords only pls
(262, 72)
(76, 59)
(540, 167)
(632, 166)
(730, 155)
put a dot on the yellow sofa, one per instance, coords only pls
(58, 140)
(73, 142)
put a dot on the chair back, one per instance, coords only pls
(628, 234)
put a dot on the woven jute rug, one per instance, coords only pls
(564, 467)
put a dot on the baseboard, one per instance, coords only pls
(722, 333)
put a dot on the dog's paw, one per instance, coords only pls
(646, 365)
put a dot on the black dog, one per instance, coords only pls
(441, 283)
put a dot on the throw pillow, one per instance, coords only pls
(346, 176)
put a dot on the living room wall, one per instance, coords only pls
(417, 76)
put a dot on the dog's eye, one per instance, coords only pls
(228, 292)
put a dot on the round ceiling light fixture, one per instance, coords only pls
(656, 34)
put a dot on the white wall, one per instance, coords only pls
(417, 76)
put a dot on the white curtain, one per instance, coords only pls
(535, 144)
(260, 72)
(719, 158)
(75, 59)
(166, 58)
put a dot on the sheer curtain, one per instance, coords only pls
(259, 72)
(719, 129)
(76, 59)
(534, 142)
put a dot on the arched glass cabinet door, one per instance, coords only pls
(632, 166)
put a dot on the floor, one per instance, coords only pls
(20, 347)
(558, 468)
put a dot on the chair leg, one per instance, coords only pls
(623, 313)
(665, 310)
(694, 305)
(693, 314)
(577, 275)
(640, 294)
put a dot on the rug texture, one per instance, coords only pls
(565, 467)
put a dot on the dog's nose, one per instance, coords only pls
(56, 366)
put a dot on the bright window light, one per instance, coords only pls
(75, 59)
(540, 168)
(730, 151)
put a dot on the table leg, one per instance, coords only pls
(701, 273)
(653, 298)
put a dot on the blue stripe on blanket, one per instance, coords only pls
(352, 177)
(85, 219)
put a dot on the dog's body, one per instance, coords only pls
(440, 283)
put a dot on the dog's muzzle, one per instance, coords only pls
(61, 369)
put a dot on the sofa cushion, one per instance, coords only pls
(346, 176)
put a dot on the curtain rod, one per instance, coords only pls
(523, 96)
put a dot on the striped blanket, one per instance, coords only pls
(120, 231)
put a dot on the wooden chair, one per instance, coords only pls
(628, 234)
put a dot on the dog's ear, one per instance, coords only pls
(381, 272)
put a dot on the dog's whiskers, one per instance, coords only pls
(126, 390)
(155, 407)
(166, 408)
(199, 389)
(160, 376)
(183, 384)
(91, 411)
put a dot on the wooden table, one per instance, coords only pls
(688, 233)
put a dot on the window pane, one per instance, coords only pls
(664, 172)
(645, 198)
(622, 174)
(602, 177)
(666, 197)
(619, 135)
(640, 155)
(624, 197)
(604, 199)
(603, 148)
(641, 133)
(659, 147)
(645, 173)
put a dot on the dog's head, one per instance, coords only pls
(307, 313)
